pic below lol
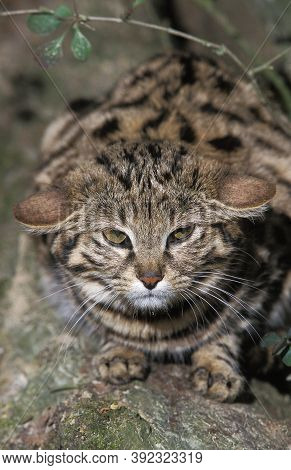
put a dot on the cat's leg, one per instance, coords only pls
(118, 364)
(215, 370)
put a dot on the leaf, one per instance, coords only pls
(280, 348)
(51, 52)
(80, 45)
(270, 339)
(43, 23)
(63, 11)
(287, 358)
(136, 3)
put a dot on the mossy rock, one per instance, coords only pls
(99, 425)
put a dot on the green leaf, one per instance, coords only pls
(280, 348)
(63, 11)
(80, 45)
(287, 358)
(136, 3)
(270, 339)
(42, 23)
(51, 52)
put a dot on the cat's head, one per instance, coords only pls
(137, 225)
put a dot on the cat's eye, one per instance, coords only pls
(180, 234)
(116, 236)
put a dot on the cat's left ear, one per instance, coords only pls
(244, 193)
(44, 211)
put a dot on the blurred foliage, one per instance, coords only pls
(280, 345)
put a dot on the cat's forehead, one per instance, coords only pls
(159, 159)
(146, 169)
(148, 184)
(158, 168)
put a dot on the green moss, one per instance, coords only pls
(94, 425)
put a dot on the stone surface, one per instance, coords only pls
(49, 394)
(151, 415)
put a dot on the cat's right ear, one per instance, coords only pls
(44, 211)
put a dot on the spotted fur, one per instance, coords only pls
(153, 157)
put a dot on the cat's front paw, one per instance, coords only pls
(121, 365)
(215, 378)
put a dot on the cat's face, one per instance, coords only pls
(147, 249)
(148, 219)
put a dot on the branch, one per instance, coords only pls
(24, 12)
(219, 49)
(266, 68)
(227, 25)
(269, 63)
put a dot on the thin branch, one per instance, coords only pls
(269, 63)
(219, 49)
(75, 7)
(24, 12)
(224, 22)
(271, 75)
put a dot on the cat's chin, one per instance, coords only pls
(149, 302)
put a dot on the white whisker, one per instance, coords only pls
(86, 312)
(60, 290)
(188, 302)
(230, 278)
(238, 314)
(241, 302)
(212, 307)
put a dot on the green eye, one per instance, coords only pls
(115, 236)
(180, 234)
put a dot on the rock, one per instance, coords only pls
(152, 415)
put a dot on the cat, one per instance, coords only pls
(166, 208)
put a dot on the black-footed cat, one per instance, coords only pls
(159, 208)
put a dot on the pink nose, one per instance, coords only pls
(150, 280)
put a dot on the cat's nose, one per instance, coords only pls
(150, 280)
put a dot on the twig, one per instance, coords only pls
(127, 14)
(75, 7)
(23, 12)
(268, 64)
(219, 49)
(270, 75)
(211, 8)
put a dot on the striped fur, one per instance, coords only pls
(153, 158)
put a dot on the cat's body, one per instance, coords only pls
(151, 214)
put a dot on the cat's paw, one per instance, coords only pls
(214, 378)
(120, 365)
